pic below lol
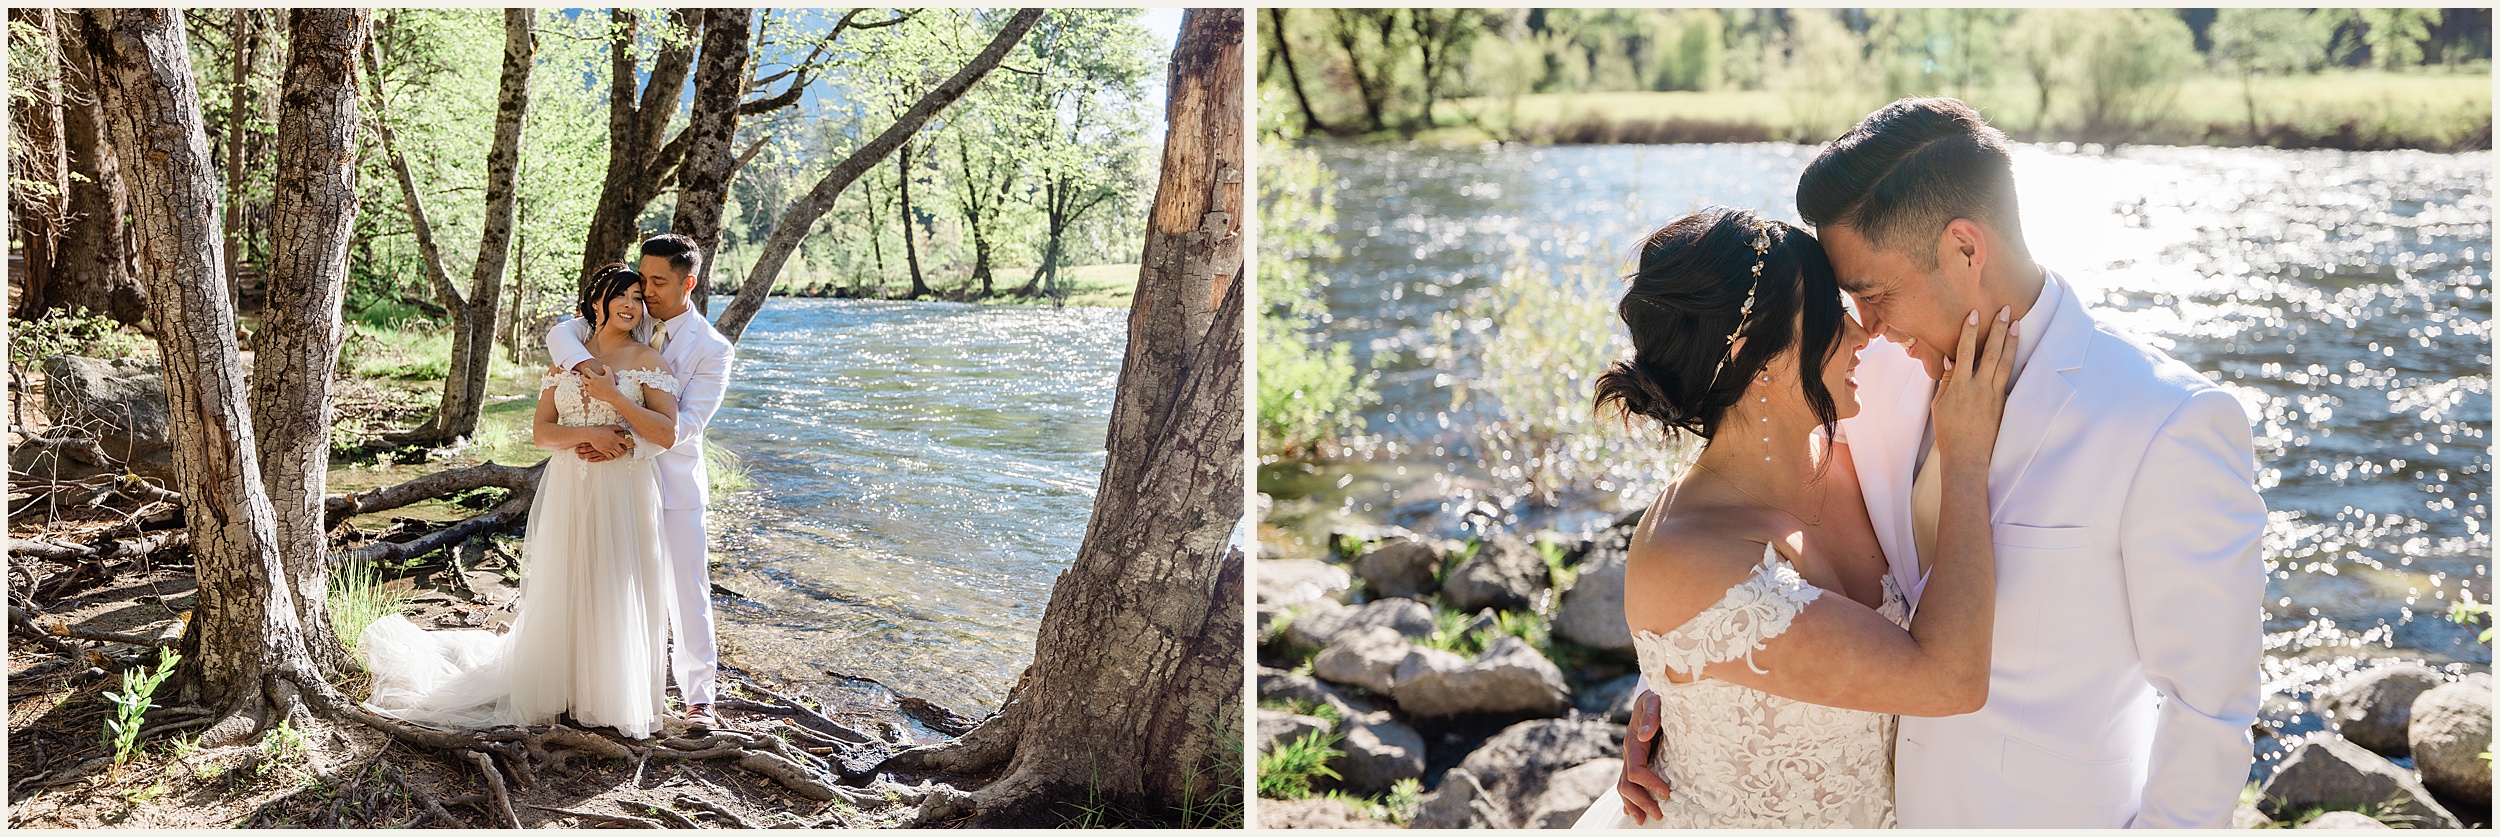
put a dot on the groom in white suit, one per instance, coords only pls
(2125, 661)
(700, 358)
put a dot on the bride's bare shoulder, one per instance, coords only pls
(640, 356)
(1682, 560)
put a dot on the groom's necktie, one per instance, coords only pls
(659, 337)
(1926, 504)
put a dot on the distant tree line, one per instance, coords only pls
(1353, 72)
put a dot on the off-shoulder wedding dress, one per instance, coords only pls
(1736, 757)
(592, 634)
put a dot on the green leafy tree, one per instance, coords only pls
(2248, 43)
(1091, 96)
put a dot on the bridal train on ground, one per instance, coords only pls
(592, 634)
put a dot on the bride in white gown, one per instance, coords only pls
(1763, 610)
(591, 637)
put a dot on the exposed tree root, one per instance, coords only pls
(611, 819)
(495, 790)
(715, 809)
(512, 510)
(423, 798)
(339, 507)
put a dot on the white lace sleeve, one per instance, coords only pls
(549, 381)
(652, 378)
(1755, 610)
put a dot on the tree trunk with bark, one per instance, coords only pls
(1134, 695)
(636, 158)
(40, 159)
(295, 353)
(244, 650)
(475, 312)
(982, 204)
(243, 26)
(793, 226)
(1311, 123)
(711, 128)
(93, 268)
(911, 249)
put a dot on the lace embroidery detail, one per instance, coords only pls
(652, 378)
(1739, 757)
(1743, 622)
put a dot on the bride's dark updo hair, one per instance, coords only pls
(608, 282)
(1683, 304)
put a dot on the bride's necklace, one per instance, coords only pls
(1818, 510)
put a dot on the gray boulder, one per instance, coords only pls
(1320, 624)
(1591, 613)
(1508, 678)
(2330, 772)
(2247, 816)
(1569, 793)
(120, 403)
(2451, 730)
(1315, 812)
(1509, 779)
(1368, 656)
(1402, 567)
(1293, 581)
(1460, 802)
(2372, 707)
(1612, 699)
(2343, 819)
(1279, 727)
(1505, 573)
(1379, 752)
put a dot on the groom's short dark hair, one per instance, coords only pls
(680, 251)
(1900, 176)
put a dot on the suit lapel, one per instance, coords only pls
(2039, 396)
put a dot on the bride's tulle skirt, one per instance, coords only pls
(592, 634)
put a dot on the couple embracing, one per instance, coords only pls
(1963, 557)
(616, 549)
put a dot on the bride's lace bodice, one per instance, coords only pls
(575, 408)
(1737, 757)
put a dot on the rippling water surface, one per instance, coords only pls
(2344, 296)
(921, 473)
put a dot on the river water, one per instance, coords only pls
(920, 474)
(2344, 296)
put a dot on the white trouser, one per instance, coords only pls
(694, 656)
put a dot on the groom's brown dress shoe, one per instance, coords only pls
(701, 719)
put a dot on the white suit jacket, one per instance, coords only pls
(699, 357)
(2125, 671)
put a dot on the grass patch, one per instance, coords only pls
(413, 351)
(1292, 769)
(723, 469)
(357, 598)
(1322, 710)
(1554, 553)
(77, 332)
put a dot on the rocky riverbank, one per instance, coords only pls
(1484, 684)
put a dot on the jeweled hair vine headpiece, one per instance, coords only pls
(1744, 313)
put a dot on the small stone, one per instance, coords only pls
(1569, 793)
(1513, 775)
(2451, 731)
(2329, 772)
(2373, 706)
(2247, 816)
(1293, 581)
(1277, 727)
(1319, 625)
(1315, 812)
(1402, 567)
(1505, 574)
(2343, 819)
(1368, 656)
(1379, 752)
(1509, 678)
(1591, 612)
(1458, 803)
